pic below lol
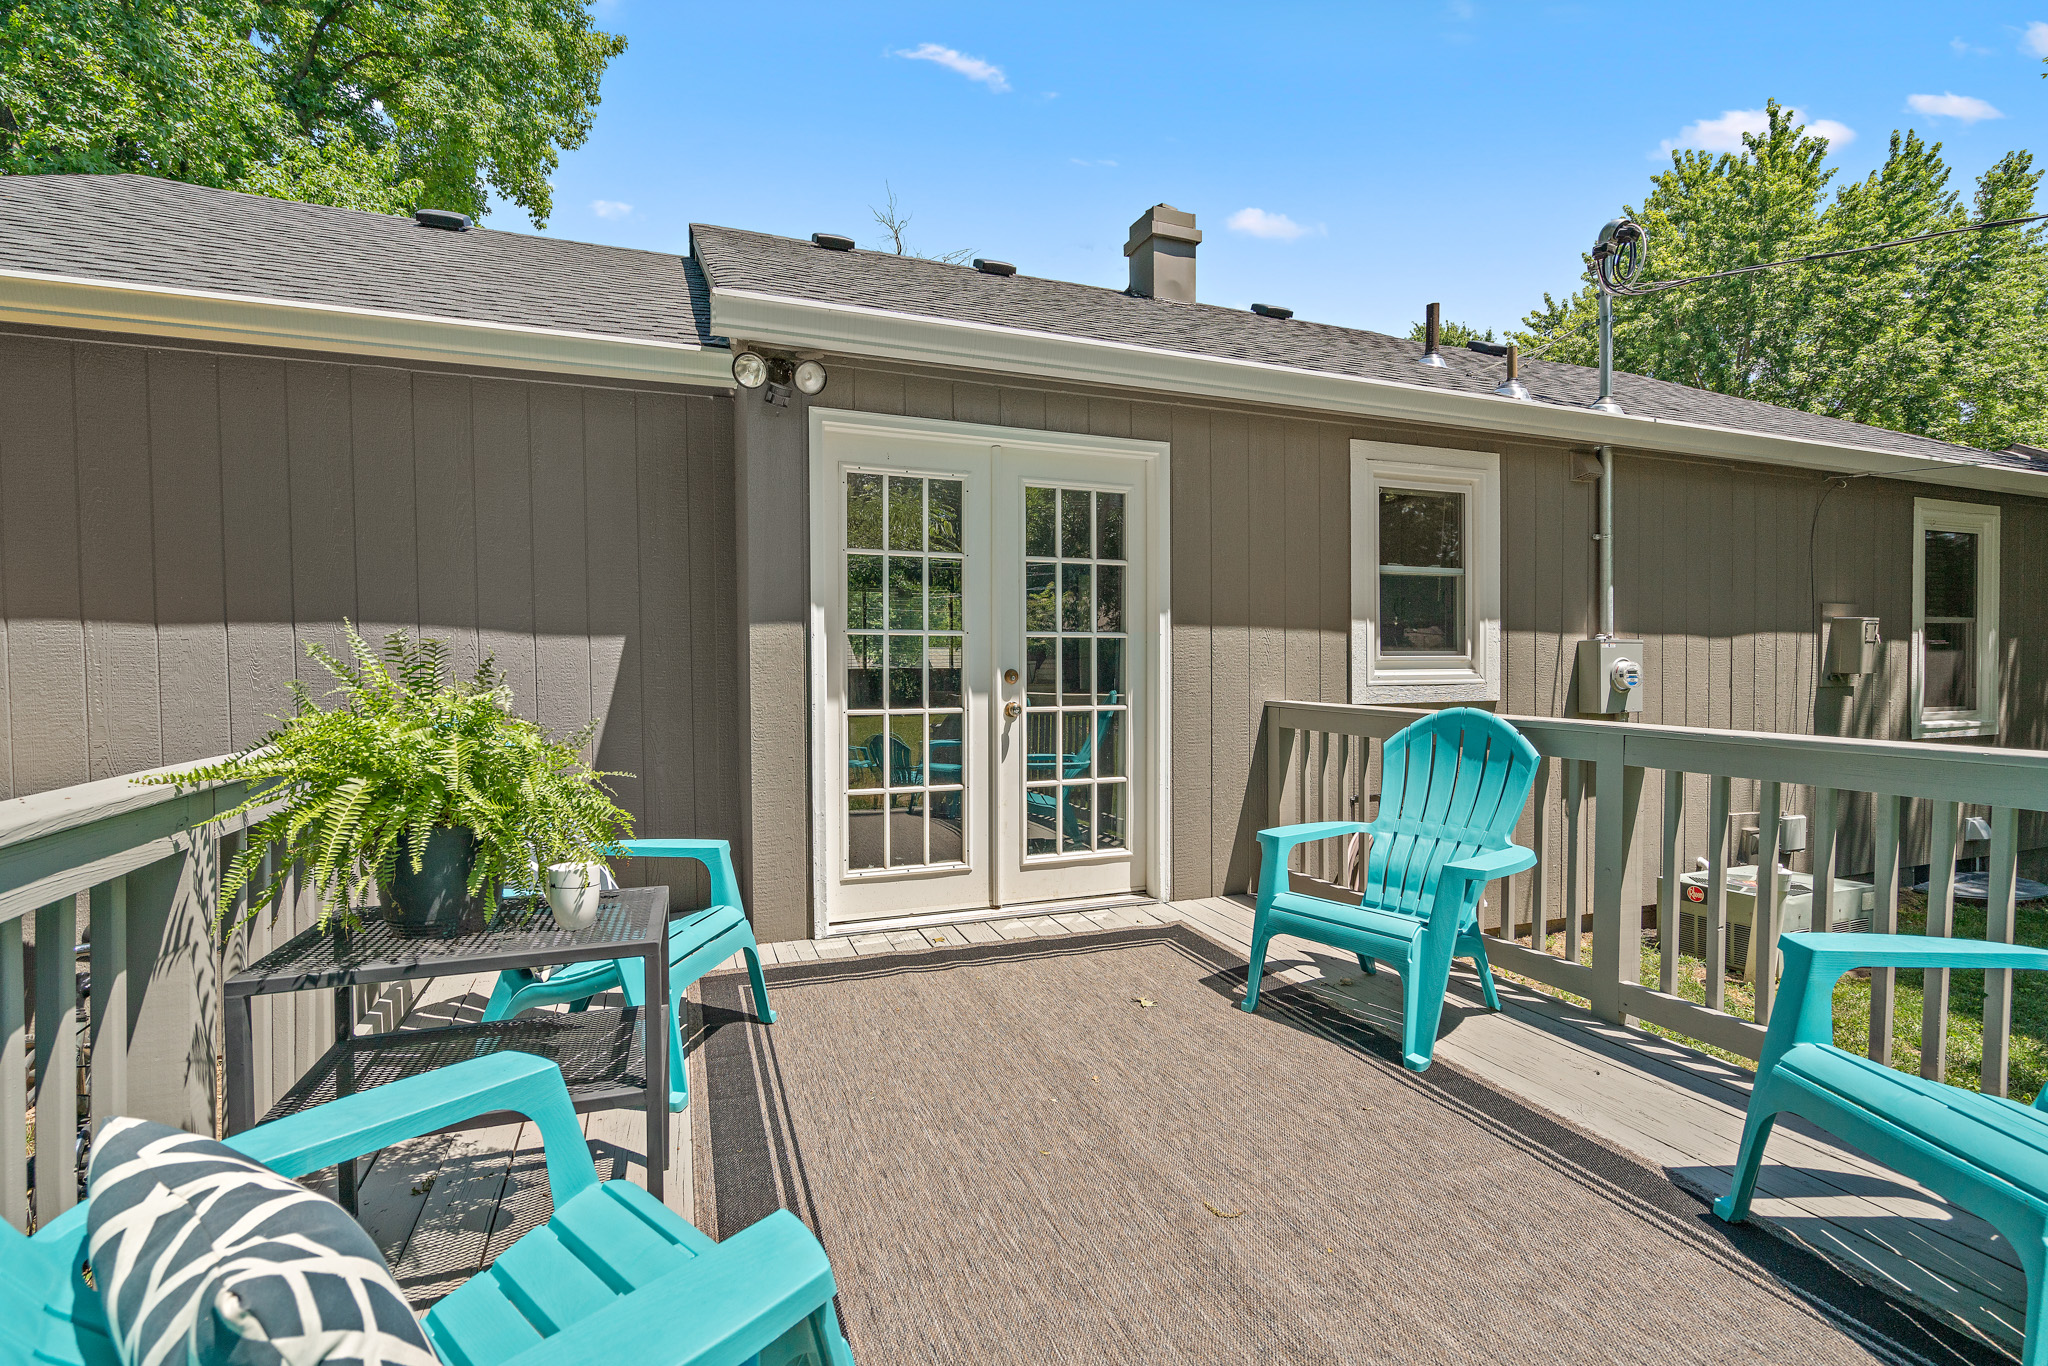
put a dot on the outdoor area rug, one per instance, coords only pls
(1080, 1150)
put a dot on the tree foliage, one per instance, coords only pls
(1946, 338)
(1450, 333)
(406, 751)
(387, 105)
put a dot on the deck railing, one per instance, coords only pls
(1869, 804)
(122, 863)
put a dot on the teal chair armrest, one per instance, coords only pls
(1277, 843)
(1491, 864)
(719, 1309)
(352, 1125)
(1815, 962)
(715, 855)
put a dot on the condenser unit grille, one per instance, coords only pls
(1692, 940)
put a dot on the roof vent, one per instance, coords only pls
(1486, 348)
(1432, 329)
(832, 241)
(994, 267)
(445, 219)
(1272, 311)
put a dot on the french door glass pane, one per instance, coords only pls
(906, 725)
(1075, 694)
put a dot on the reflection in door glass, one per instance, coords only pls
(1077, 704)
(905, 701)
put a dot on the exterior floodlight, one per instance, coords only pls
(810, 378)
(749, 371)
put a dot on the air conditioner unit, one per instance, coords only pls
(1855, 905)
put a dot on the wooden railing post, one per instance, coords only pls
(56, 1059)
(13, 1078)
(1884, 919)
(1998, 929)
(1941, 921)
(1716, 946)
(1617, 925)
(1821, 848)
(109, 1001)
(1763, 926)
(1277, 737)
(1667, 893)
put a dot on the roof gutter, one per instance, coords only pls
(95, 305)
(885, 334)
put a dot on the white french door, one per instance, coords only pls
(989, 703)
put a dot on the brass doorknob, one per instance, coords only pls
(1013, 709)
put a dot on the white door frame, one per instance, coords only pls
(1158, 614)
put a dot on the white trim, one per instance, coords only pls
(886, 334)
(41, 300)
(1157, 457)
(1476, 677)
(1935, 514)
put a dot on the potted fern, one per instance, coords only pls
(427, 788)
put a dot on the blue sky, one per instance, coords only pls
(1352, 162)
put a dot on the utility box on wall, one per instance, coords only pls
(1609, 680)
(1852, 646)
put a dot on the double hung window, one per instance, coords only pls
(1955, 618)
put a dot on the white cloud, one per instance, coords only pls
(1963, 108)
(2035, 39)
(973, 68)
(610, 208)
(1724, 134)
(1277, 226)
(1963, 47)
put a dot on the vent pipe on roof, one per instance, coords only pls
(1162, 252)
(1432, 330)
(1512, 386)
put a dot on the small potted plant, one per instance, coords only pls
(430, 789)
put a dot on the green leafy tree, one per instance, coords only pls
(1942, 338)
(385, 105)
(1450, 333)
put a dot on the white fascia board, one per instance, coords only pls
(212, 316)
(885, 334)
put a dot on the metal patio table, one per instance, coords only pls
(608, 1057)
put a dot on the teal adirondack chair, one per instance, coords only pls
(614, 1275)
(1452, 787)
(1042, 803)
(1985, 1153)
(697, 943)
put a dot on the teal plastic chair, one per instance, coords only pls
(1042, 803)
(1987, 1154)
(697, 943)
(614, 1275)
(1452, 787)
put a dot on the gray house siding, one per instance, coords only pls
(177, 525)
(1712, 571)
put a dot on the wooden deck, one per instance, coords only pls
(443, 1207)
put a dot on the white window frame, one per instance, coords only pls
(1935, 514)
(1476, 676)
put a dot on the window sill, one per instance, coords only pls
(1395, 690)
(1924, 729)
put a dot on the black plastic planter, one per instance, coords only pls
(432, 900)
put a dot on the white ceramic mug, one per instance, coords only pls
(573, 892)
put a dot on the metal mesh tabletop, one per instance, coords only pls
(523, 934)
(599, 1052)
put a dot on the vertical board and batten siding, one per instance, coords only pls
(177, 525)
(1712, 570)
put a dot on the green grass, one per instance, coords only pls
(2028, 1070)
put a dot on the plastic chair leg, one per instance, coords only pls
(1733, 1207)
(1260, 936)
(1367, 966)
(1422, 1008)
(1478, 947)
(2034, 1261)
(762, 1010)
(509, 983)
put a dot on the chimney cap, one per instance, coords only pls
(1272, 311)
(832, 241)
(1162, 220)
(445, 219)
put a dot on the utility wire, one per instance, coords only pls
(1658, 286)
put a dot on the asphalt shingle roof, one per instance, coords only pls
(146, 231)
(739, 260)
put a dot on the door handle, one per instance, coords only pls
(1013, 709)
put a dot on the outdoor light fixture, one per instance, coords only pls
(810, 377)
(750, 371)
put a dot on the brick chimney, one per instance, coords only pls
(1162, 252)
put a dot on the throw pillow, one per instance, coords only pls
(204, 1256)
